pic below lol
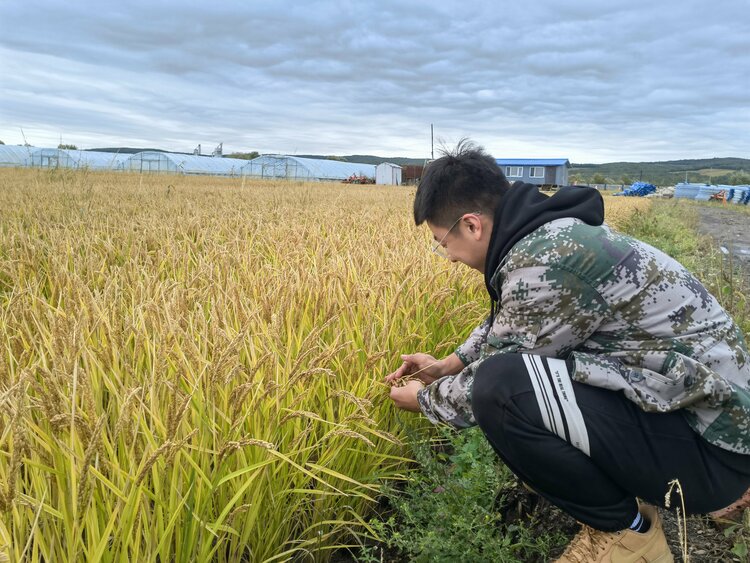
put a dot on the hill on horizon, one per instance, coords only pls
(726, 170)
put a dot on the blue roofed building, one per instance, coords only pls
(539, 171)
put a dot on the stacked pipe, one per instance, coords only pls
(703, 192)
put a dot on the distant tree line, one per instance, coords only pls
(244, 155)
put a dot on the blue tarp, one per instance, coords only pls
(638, 189)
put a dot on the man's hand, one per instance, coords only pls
(406, 397)
(426, 368)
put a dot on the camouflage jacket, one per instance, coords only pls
(633, 319)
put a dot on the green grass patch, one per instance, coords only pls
(452, 508)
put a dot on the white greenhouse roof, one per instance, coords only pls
(188, 163)
(269, 166)
(98, 160)
(320, 169)
(194, 164)
(14, 155)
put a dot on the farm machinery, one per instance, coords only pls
(359, 179)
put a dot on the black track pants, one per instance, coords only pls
(591, 451)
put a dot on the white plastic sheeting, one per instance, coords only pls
(98, 160)
(310, 169)
(145, 161)
(63, 158)
(52, 158)
(155, 161)
(14, 155)
(269, 166)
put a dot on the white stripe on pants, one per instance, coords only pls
(556, 399)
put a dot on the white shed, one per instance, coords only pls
(388, 174)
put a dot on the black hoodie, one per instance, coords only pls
(524, 209)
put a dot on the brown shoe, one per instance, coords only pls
(625, 546)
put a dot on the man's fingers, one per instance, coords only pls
(412, 364)
(398, 374)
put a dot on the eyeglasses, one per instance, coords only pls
(437, 247)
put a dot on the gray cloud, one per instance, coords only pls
(630, 80)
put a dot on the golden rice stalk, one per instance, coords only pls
(125, 418)
(160, 451)
(178, 445)
(62, 422)
(304, 375)
(177, 410)
(303, 414)
(363, 404)
(92, 449)
(349, 434)
(239, 510)
(356, 417)
(238, 395)
(232, 446)
(21, 444)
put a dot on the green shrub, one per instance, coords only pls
(449, 509)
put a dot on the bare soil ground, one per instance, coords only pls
(729, 226)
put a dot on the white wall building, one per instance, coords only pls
(388, 174)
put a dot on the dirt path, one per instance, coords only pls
(730, 228)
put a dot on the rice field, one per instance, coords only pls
(190, 368)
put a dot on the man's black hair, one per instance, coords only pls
(464, 180)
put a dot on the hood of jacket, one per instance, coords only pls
(523, 209)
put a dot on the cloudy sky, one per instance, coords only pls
(588, 80)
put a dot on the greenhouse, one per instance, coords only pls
(155, 161)
(14, 155)
(98, 160)
(268, 166)
(51, 158)
(54, 158)
(309, 169)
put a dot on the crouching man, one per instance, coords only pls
(604, 371)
